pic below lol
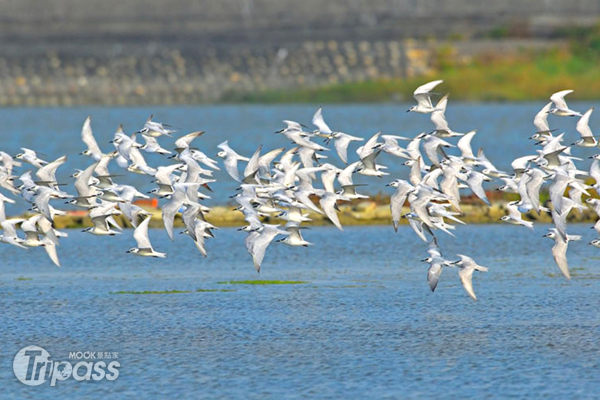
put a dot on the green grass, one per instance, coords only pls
(262, 282)
(171, 291)
(521, 77)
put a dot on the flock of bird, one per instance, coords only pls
(280, 184)
(97, 191)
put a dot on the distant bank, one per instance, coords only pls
(316, 72)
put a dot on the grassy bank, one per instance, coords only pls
(492, 76)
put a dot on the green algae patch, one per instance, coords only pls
(262, 282)
(22, 278)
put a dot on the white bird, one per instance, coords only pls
(231, 159)
(439, 120)
(87, 136)
(9, 232)
(467, 266)
(560, 105)
(464, 145)
(423, 97)
(258, 241)
(541, 123)
(3, 200)
(329, 205)
(398, 199)
(514, 216)
(436, 265)
(152, 146)
(559, 250)
(30, 157)
(178, 199)
(583, 127)
(102, 221)
(144, 247)
(8, 162)
(185, 141)
(295, 236)
(47, 173)
(156, 129)
(475, 181)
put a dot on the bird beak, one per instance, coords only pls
(424, 260)
(408, 110)
(546, 235)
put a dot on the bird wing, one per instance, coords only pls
(419, 206)
(397, 201)
(8, 226)
(252, 165)
(328, 204)
(513, 211)
(341, 147)
(231, 167)
(583, 126)
(319, 122)
(475, 183)
(558, 98)
(466, 277)
(48, 172)
(595, 171)
(559, 252)
(421, 94)
(464, 145)
(185, 141)
(261, 243)
(438, 117)
(533, 189)
(82, 182)
(433, 274)
(345, 177)
(88, 138)
(50, 248)
(140, 234)
(170, 209)
(541, 119)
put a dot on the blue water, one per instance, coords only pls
(364, 326)
(503, 130)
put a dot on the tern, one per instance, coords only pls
(423, 97)
(560, 105)
(559, 250)
(467, 266)
(144, 247)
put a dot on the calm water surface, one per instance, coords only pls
(363, 326)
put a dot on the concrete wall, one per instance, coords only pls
(280, 21)
(185, 51)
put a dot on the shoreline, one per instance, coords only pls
(364, 213)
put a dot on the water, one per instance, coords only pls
(503, 130)
(365, 325)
